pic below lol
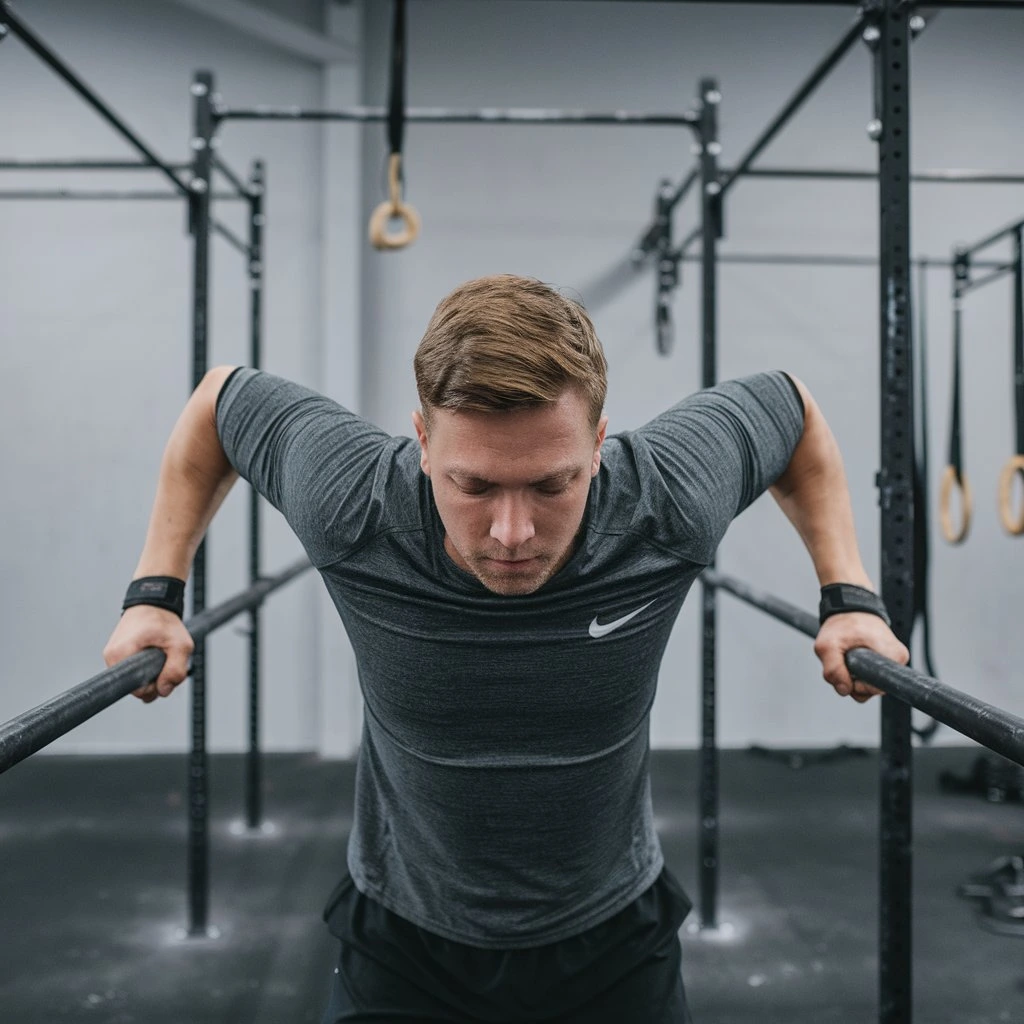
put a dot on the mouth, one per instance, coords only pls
(513, 565)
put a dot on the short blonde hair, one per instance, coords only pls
(506, 342)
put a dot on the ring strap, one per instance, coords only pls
(954, 476)
(396, 95)
(922, 473)
(1012, 522)
(395, 206)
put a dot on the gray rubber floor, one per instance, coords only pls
(92, 893)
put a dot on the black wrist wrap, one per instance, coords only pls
(848, 597)
(160, 591)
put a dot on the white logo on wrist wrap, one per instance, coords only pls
(597, 630)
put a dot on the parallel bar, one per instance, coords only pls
(34, 43)
(817, 76)
(1002, 270)
(445, 115)
(711, 212)
(952, 176)
(225, 232)
(240, 186)
(896, 501)
(29, 732)
(198, 782)
(999, 730)
(996, 236)
(106, 195)
(694, 236)
(685, 185)
(827, 260)
(83, 165)
(203, 624)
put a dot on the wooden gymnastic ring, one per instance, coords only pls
(380, 218)
(1014, 525)
(394, 207)
(949, 481)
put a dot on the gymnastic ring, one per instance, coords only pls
(1014, 525)
(379, 219)
(394, 207)
(949, 481)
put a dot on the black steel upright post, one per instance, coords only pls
(198, 781)
(711, 223)
(896, 498)
(253, 773)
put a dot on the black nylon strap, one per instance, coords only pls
(1018, 336)
(922, 548)
(160, 591)
(396, 96)
(960, 273)
(837, 598)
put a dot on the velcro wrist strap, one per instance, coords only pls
(837, 598)
(160, 591)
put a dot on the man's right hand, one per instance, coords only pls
(144, 626)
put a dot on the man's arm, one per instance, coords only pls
(195, 477)
(813, 493)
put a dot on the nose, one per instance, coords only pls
(512, 521)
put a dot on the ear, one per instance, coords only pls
(420, 426)
(602, 427)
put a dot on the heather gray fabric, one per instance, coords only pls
(502, 791)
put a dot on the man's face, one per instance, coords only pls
(511, 487)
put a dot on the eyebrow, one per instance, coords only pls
(564, 473)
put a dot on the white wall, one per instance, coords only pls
(566, 205)
(95, 300)
(96, 358)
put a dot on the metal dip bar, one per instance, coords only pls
(33, 730)
(990, 726)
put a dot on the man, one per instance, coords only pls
(508, 581)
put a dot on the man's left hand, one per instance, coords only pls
(842, 633)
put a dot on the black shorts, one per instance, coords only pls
(625, 969)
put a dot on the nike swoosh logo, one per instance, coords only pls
(597, 630)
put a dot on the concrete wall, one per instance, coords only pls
(95, 305)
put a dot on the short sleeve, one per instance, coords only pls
(311, 458)
(717, 451)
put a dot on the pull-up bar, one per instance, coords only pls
(448, 115)
(45, 54)
(145, 195)
(83, 165)
(988, 725)
(796, 101)
(996, 236)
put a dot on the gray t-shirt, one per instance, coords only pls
(502, 788)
